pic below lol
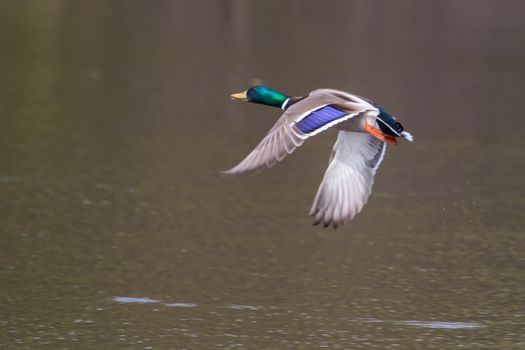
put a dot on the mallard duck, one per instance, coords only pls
(364, 130)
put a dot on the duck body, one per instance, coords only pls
(364, 129)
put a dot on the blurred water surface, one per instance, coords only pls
(118, 233)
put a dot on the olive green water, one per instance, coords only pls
(118, 233)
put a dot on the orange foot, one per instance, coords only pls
(379, 134)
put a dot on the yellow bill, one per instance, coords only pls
(240, 96)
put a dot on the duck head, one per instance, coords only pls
(390, 126)
(262, 95)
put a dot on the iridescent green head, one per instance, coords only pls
(262, 95)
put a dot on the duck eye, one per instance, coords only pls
(250, 91)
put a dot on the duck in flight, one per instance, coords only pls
(364, 130)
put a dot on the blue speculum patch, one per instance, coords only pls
(319, 118)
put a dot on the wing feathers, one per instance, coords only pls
(278, 143)
(348, 180)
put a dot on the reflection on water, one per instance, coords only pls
(118, 232)
(181, 305)
(130, 300)
(244, 307)
(443, 325)
(126, 300)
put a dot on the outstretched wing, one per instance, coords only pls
(321, 110)
(273, 148)
(348, 180)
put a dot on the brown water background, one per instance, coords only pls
(118, 233)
